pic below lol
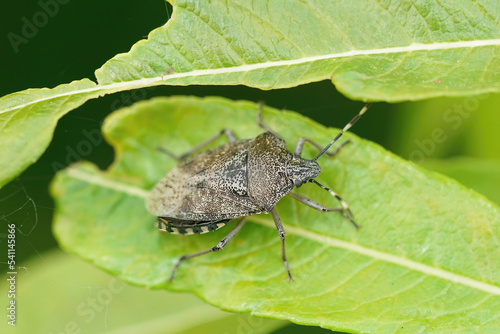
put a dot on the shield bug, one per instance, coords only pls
(242, 178)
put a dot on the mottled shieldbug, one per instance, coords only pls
(242, 178)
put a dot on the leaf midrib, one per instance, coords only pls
(99, 180)
(145, 82)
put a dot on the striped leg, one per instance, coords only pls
(261, 124)
(216, 248)
(345, 211)
(281, 232)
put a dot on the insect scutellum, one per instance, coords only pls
(242, 178)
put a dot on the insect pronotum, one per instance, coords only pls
(242, 178)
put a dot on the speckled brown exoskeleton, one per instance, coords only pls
(239, 179)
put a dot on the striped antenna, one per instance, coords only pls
(347, 127)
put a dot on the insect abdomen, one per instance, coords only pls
(188, 227)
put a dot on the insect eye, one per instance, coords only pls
(297, 183)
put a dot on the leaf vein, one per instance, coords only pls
(145, 82)
(390, 258)
(330, 23)
(221, 35)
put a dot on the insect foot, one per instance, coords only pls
(241, 178)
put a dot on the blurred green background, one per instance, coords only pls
(459, 137)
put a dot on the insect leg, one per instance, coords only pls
(315, 205)
(300, 145)
(281, 232)
(216, 248)
(229, 134)
(261, 124)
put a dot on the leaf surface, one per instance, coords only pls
(87, 300)
(479, 174)
(371, 50)
(424, 258)
(28, 120)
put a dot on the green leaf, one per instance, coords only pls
(28, 120)
(424, 259)
(376, 51)
(370, 50)
(481, 175)
(56, 293)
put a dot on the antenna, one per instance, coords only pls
(347, 127)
